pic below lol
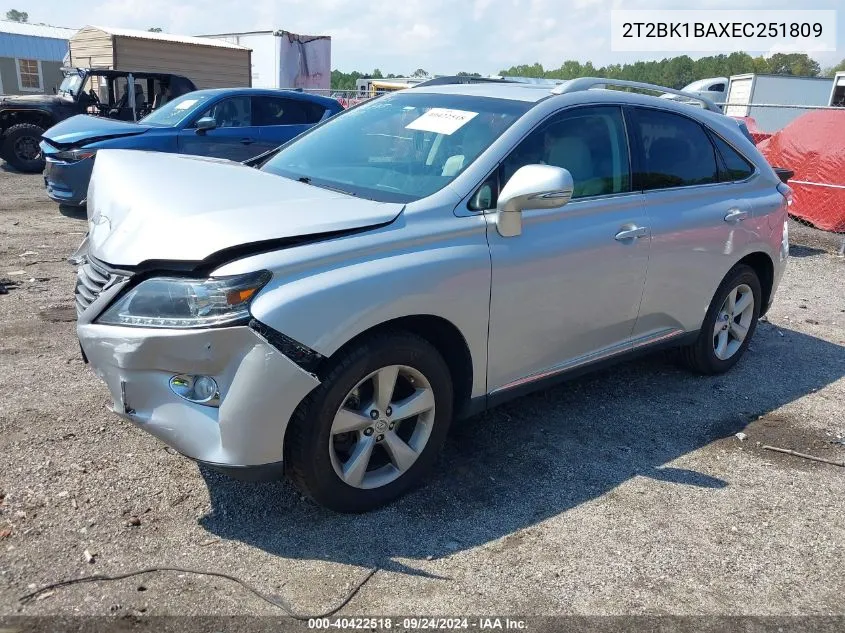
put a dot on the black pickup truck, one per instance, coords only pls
(111, 93)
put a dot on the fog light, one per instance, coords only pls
(198, 389)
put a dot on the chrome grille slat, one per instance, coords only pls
(90, 281)
(95, 272)
(85, 293)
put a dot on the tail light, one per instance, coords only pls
(786, 192)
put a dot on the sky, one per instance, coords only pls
(440, 36)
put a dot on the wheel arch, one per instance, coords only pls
(764, 267)
(445, 337)
(11, 117)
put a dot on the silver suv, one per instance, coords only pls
(414, 260)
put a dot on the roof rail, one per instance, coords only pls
(471, 79)
(457, 79)
(585, 83)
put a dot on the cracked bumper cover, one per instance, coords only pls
(259, 389)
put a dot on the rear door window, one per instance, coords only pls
(674, 151)
(278, 111)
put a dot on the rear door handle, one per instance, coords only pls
(735, 215)
(247, 141)
(632, 233)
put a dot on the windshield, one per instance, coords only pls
(70, 85)
(174, 112)
(397, 148)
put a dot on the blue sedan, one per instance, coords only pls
(236, 124)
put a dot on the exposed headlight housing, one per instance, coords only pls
(74, 155)
(173, 302)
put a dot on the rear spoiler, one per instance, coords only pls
(784, 174)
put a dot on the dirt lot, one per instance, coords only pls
(624, 492)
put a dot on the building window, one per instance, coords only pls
(29, 75)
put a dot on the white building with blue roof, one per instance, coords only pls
(31, 57)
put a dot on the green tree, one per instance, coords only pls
(793, 64)
(14, 15)
(830, 72)
(348, 82)
(419, 72)
(155, 29)
(677, 72)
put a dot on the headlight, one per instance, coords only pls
(74, 155)
(171, 302)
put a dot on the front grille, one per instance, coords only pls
(91, 278)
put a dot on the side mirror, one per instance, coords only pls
(531, 187)
(206, 123)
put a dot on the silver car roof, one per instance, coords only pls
(535, 93)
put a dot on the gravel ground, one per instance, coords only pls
(623, 492)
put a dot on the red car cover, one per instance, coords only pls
(813, 146)
(751, 124)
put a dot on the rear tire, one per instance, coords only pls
(20, 148)
(348, 447)
(729, 318)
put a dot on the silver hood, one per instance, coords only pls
(149, 206)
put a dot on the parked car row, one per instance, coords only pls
(236, 124)
(115, 94)
(416, 259)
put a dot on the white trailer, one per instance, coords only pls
(837, 92)
(752, 95)
(281, 59)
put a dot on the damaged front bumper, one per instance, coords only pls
(259, 389)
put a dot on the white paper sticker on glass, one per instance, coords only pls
(441, 121)
(184, 105)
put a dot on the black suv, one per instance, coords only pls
(111, 93)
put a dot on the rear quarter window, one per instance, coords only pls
(734, 165)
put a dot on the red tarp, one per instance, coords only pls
(751, 124)
(813, 146)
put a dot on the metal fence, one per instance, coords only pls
(347, 98)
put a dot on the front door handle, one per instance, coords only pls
(631, 233)
(735, 215)
(247, 141)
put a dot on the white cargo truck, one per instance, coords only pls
(753, 95)
(281, 59)
(837, 92)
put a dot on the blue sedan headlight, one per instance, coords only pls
(74, 155)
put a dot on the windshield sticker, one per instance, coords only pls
(442, 121)
(185, 104)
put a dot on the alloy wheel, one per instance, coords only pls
(733, 321)
(382, 427)
(26, 148)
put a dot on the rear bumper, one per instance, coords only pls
(67, 183)
(259, 390)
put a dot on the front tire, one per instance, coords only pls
(21, 148)
(374, 427)
(729, 324)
